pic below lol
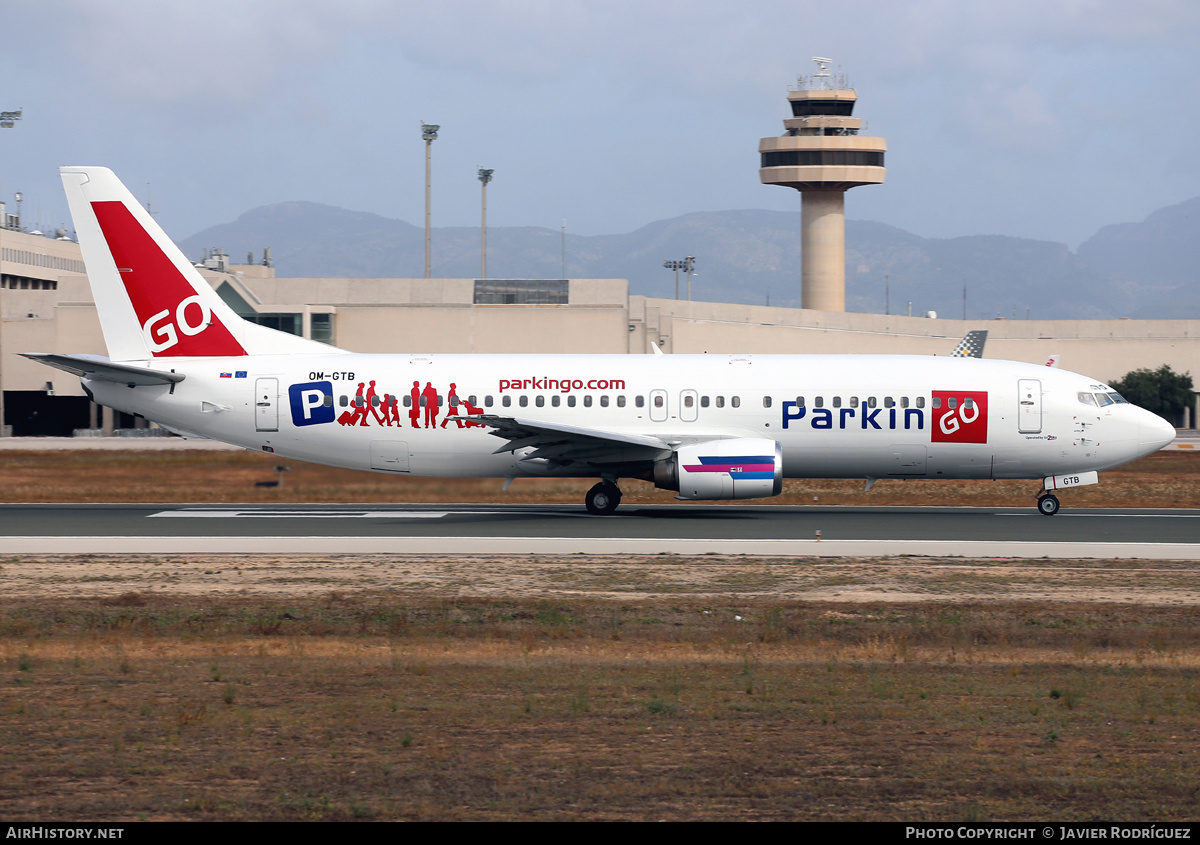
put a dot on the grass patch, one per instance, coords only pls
(174, 707)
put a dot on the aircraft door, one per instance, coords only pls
(688, 402)
(389, 455)
(658, 405)
(1029, 407)
(266, 404)
(908, 460)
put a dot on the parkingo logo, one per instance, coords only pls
(960, 416)
(160, 331)
(176, 319)
(312, 403)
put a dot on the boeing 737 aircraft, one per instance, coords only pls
(707, 426)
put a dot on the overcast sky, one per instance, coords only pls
(1038, 118)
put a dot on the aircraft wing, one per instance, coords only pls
(568, 444)
(98, 367)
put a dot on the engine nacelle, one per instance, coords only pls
(741, 468)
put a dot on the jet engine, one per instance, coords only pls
(740, 468)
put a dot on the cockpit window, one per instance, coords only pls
(1118, 398)
(1086, 398)
(1103, 399)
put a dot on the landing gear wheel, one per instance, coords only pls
(1048, 505)
(603, 499)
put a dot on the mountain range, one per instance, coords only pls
(1148, 270)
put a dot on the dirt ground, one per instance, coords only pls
(572, 687)
(1168, 479)
(900, 579)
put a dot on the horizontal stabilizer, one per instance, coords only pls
(97, 367)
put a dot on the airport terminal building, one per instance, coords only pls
(46, 306)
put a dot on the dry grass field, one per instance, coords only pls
(1165, 480)
(392, 706)
(656, 688)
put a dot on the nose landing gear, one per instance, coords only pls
(602, 500)
(1047, 505)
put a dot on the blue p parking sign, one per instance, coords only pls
(312, 403)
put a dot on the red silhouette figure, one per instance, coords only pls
(371, 406)
(472, 410)
(414, 413)
(453, 401)
(391, 411)
(361, 404)
(429, 394)
(359, 412)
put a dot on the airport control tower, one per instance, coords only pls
(822, 156)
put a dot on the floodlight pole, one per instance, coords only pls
(686, 265)
(8, 120)
(485, 176)
(429, 134)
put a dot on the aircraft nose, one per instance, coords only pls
(1154, 433)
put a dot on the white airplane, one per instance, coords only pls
(707, 426)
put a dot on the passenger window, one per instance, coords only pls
(689, 401)
(921, 402)
(471, 400)
(889, 402)
(487, 401)
(766, 401)
(853, 401)
(523, 401)
(819, 402)
(837, 401)
(540, 401)
(735, 401)
(587, 401)
(658, 401)
(506, 401)
(968, 403)
(720, 401)
(703, 401)
(344, 400)
(952, 403)
(903, 401)
(937, 401)
(621, 401)
(799, 401)
(556, 400)
(570, 401)
(604, 401)
(640, 401)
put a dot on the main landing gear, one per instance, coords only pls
(603, 499)
(1047, 505)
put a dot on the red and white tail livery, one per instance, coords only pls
(151, 300)
(706, 426)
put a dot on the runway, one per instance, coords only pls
(563, 529)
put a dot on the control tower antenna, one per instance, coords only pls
(822, 156)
